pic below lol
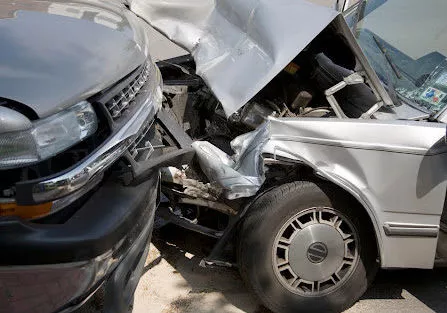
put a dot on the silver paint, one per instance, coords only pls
(246, 41)
(240, 175)
(396, 169)
(237, 40)
(11, 121)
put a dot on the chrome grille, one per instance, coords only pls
(125, 98)
(141, 148)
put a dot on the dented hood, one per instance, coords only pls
(238, 45)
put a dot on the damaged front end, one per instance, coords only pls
(241, 175)
(239, 74)
(274, 92)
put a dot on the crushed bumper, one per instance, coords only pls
(55, 268)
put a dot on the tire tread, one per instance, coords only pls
(257, 214)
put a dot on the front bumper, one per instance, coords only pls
(57, 267)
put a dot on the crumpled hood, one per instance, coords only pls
(238, 45)
(55, 54)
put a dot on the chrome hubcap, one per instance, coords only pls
(315, 251)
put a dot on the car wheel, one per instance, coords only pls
(307, 247)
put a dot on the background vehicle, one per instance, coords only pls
(80, 119)
(312, 204)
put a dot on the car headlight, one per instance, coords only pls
(47, 137)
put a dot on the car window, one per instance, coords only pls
(406, 43)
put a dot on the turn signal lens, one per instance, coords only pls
(25, 211)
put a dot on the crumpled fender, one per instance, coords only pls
(396, 169)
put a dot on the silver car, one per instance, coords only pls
(320, 140)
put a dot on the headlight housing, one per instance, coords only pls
(47, 137)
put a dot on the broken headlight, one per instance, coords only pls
(47, 137)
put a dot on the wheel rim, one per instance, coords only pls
(315, 251)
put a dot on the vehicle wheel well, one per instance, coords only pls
(302, 172)
(274, 243)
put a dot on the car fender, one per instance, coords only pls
(396, 169)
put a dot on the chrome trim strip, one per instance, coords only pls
(104, 157)
(62, 203)
(412, 230)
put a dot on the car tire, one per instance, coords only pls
(296, 277)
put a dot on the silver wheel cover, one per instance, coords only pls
(315, 251)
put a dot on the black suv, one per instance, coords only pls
(81, 136)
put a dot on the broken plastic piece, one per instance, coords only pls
(241, 175)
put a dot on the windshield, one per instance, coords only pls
(406, 44)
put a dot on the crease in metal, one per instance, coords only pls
(238, 46)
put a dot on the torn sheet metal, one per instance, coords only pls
(238, 45)
(359, 155)
(241, 175)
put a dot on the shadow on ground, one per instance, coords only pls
(211, 289)
(428, 286)
(183, 250)
(175, 283)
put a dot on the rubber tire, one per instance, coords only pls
(258, 231)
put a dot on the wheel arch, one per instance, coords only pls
(347, 187)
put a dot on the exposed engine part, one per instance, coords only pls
(298, 91)
(198, 189)
(179, 71)
(167, 214)
(285, 111)
(174, 90)
(218, 206)
(353, 79)
(253, 114)
(172, 175)
(372, 110)
(301, 101)
(192, 188)
(317, 112)
(188, 214)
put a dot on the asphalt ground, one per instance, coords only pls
(173, 282)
